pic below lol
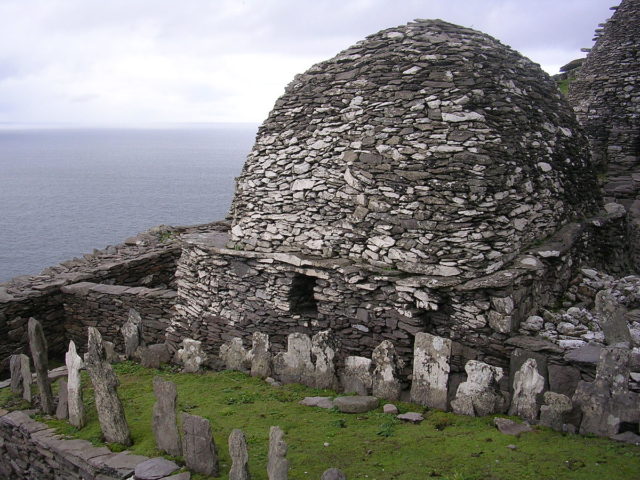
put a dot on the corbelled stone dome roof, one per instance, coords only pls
(428, 148)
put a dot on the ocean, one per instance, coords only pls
(66, 191)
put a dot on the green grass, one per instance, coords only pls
(372, 446)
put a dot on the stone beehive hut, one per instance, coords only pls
(394, 189)
(429, 148)
(606, 98)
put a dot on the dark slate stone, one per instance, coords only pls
(200, 454)
(563, 379)
(155, 469)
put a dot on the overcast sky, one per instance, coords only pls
(120, 62)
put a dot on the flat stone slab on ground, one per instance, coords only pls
(390, 408)
(321, 402)
(179, 476)
(155, 469)
(509, 427)
(356, 404)
(627, 437)
(413, 417)
(333, 474)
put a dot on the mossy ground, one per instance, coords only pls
(372, 446)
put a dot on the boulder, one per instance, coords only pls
(356, 404)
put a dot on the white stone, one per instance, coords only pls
(74, 363)
(527, 385)
(412, 71)
(191, 355)
(302, 184)
(430, 370)
(479, 395)
(462, 117)
(544, 166)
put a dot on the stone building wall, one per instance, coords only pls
(606, 98)
(106, 307)
(428, 148)
(31, 450)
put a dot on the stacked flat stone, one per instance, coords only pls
(429, 147)
(606, 98)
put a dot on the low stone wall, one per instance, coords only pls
(106, 307)
(147, 260)
(31, 450)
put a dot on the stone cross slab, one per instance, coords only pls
(431, 368)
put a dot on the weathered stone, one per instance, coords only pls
(386, 368)
(200, 453)
(323, 348)
(260, 355)
(239, 456)
(321, 402)
(563, 379)
(356, 376)
(62, 409)
(77, 416)
(105, 384)
(587, 355)
(509, 427)
(552, 413)
(333, 474)
(430, 370)
(294, 365)
(153, 356)
(155, 469)
(356, 404)
(191, 355)
(234, 356)
(606, 402)
(528, 384)
(110, 352)
(277, 465)
(27, 379)
(16, 366)
(612, 318)
(132, 333)
(480, 395)
(390, 409)
(164, 423)
(412, 417)
(627, 437)
(39, 354)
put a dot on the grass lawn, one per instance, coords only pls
(372, 446)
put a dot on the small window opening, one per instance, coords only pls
(301, 296)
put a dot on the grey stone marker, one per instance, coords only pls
(62, 410)
(77, 416)
(239, 456)
(612, 318)
(480, 395)
(132, 333)
(260, 355)
(430, 370)
(38, 346)
(278, 465)
(323, 347)
(333, 474)
(234, 356)
(356, 376)
(16, 368)
(191, 355)
(105, 384)
(165, 425)
(386, 371)
(294, 365)
(27, 379)
(199, 448)
(555, 408)
(152, 356)
(527, 385)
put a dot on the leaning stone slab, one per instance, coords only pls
(277, 465)
(191, 355)
(333, 474)
(509, 427)
(260, 356)
(553, 411)
(132, 333)
(164, 422)
(430, 370)
(239, 456)
(357, 404)
(200, 453)
(294, 365)
(323, 348)
(234, 356)
(77, 416)
(528, 384)
(155, 469)
(356, 376)
(62, 410)
(38, 346)
(320, 402)
(480, 395)
(386, 371)
(105, 384)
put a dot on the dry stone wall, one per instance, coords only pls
(429, 148)
(606, 99)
